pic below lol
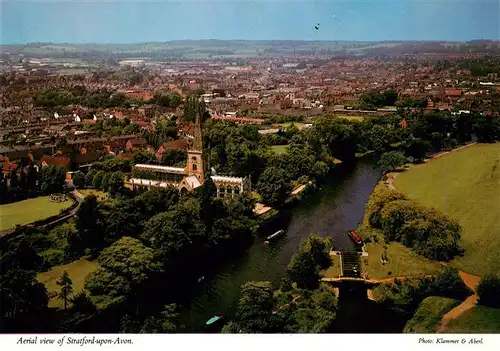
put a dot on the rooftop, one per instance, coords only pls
(157, 168)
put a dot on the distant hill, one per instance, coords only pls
(200, 49)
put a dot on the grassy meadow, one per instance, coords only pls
(77, 271)
(429, 314)
(479, 319)
(27, 211)
(279, 149)
(465, 185)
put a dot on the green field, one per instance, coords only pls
(479, 319)
(429, 314)
(287, 125)
(334, 270)
(402, 262)
(77, 271)
(465, 185)
(27, 211)
(279, 149)
(99, 193)
(351, 117)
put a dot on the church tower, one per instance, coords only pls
(195, 164)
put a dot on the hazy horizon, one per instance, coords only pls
(132, 22)
(252, 40)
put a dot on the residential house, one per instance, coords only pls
(137, 143)
(57, 160)
(179, 144)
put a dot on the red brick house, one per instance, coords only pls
(138, 143)
(453, 94)
(171, 145)
(57, 160)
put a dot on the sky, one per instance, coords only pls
(127, 21)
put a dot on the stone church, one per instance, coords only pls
(188, 178)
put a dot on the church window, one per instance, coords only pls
(195, 167)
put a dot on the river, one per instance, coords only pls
(331, 211)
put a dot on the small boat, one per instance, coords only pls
(213, 320)
(352, 234)
(275, 235)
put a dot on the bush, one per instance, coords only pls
(489, 291)
(427, 231)
(409, 292)
(52, 257)
(79, 180)
(380, 196)
(448, 283)
(395, 215)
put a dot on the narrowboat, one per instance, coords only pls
(274, 236)
(352, 234)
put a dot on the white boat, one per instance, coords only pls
(275, 235)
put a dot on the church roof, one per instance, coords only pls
(149, 182)
(192, 181)
(227, 179)
(163, 169)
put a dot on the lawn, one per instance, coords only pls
(334, 270)
(99, 193)
(279, 149)
(479, 319)
(27, 211)
(429, 314)
(402, 262)
(465, 185)
(288, 125)
(351, 117)
(77, 271)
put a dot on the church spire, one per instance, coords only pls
(198, 134)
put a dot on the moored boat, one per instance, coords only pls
(212, 321)
(352, 234)
(274, 236)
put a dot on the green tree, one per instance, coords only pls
(120, 218)
(488, 290)
(157, 200)
(274, 186)
(115, 183)
(255, 308)
(313, 256)
(178, 235)
(89, 178)
(97, 180)
(82, 303)
(79, 180)
(66, 286)
(391, 160)
(172, 157)
(105, 181)
(166, 322)
(417, 148)
(89, 227)
(21, 293)
(126, 267)
(52, 179)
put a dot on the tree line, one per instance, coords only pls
(100, 98)
(27, 181)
